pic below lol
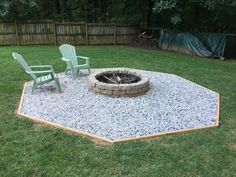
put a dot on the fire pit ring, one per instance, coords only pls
(118, 83)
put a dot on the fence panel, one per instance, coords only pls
(8, 34)
(71, 33)
(125, 34)
(36, 33)
(48, 32)
(101, 33)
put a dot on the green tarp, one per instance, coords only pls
(201, 44)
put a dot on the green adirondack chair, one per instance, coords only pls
(69, 56)
(46, 75)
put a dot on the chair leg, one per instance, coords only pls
(58, 85)
(34, 87)
(66, 71)
(89, 71)
(74, 73)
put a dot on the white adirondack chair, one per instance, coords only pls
(69, 56)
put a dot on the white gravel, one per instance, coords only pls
(172, 103)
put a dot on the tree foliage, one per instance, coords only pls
(120, 11)
(194, 15)
(207, 15)
(19, 8)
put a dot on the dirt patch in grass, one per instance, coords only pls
(232, 146)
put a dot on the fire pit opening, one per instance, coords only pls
(119, 83)
(118, 77)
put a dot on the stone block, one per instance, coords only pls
(96, 89)
(125, 87)
(101, 85)
(106, 92)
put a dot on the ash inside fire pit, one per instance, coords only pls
(118, 77)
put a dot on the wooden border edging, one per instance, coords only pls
(52, 124)
(99, 139)
(165, 133)
(21, 99)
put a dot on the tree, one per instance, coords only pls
(19, 9)
(195, 14)
(118, 11)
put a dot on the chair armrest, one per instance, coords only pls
(64, 59)
(42, 66)
(86, 58)
(40, 72)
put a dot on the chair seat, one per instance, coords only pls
(44, 78)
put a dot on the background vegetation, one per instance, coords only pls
(193, 15)
(197, 15)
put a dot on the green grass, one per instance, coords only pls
(28, 149)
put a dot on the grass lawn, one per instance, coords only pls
(28, 149)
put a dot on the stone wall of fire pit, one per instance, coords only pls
(119, 90)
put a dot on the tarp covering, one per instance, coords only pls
(202, 44)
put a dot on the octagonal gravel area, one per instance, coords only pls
(172, 104)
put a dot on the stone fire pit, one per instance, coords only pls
(119, 83)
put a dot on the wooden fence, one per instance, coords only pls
(23, 33)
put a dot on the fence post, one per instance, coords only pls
(55, 33)
(17, 33)
(115, 34)
(86, 33)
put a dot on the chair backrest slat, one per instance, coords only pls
(23, 63)
(69, 52)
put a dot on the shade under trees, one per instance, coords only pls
(118, 11)
(188, 15)
(197, 15)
